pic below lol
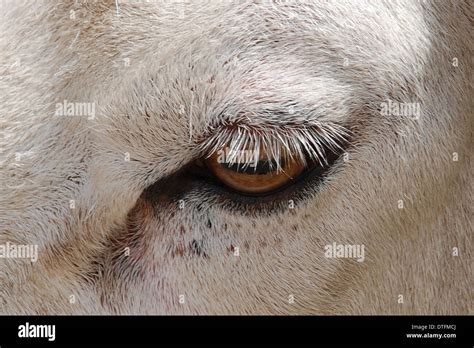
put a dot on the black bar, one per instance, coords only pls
(330, 330)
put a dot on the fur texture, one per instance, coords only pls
(165, 78)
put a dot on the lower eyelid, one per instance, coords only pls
(195, 182)
(302, 189)
(197, 188)
(257, 186)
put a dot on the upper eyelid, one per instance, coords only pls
(278, 142)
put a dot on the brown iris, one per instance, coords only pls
(253, 174)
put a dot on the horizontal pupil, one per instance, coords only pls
(259, 168)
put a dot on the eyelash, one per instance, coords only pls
(308, 141)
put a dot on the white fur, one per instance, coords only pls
(192, 68)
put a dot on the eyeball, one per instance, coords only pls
(249, 174)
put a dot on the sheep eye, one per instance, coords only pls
(251, 172)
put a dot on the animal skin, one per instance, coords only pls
(122, 229)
